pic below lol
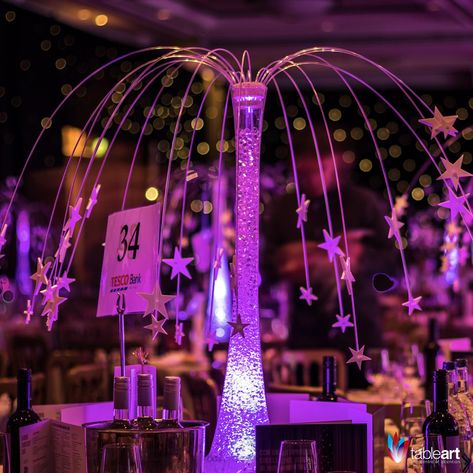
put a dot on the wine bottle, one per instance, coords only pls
(431, 353)
(23, 415)
(171, 403)
(121, 390)
(329, 380)
(146, 413)
(441, 422)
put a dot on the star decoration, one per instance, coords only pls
(448, 245)
(358, 356)
(28, 312)
(440, 124)
(347, 275)
(306, 295)
(211, 340)
(238, 327)
(64, 244)
(331, 245)
(48, 292)
(52, 305)
(92, 200)
(156, 327)
(156, 301)
(400, 205)
(302, 211)
(394, 226)
(64, 282)
(454, 171)
(74, 217)
(142, 357)
(456, 204)
(412, 304)
(343, 322)
(40, 277)
(179, 333)
(178, 264)
(3, 232)
(50, 319)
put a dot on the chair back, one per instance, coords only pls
(27, 351)
(304, 367)
(86, 383)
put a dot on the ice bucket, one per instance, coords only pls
(162, 451)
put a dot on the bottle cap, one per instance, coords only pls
(121, 388)
(448, 365)
(172, 392)
(145, 389)
(461, 363)
(24, 375)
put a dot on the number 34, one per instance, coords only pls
(130, 245)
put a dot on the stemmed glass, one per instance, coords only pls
(297, 456)
(121, 458)
(413, 416)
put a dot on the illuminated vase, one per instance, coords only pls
(243, 404)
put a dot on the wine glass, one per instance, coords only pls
(4, 453)
(297, 456)
(413, 416)
(121, 458)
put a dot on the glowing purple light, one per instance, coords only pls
(243, 403)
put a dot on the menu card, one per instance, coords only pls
(52, 446)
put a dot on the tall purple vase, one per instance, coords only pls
(243, 404)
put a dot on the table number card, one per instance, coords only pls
(130, 259)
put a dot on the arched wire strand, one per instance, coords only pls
(107, 154)
(327, 204)
(168, 172)
(217, 234)
(246, 57)
(92, 120)
(296, 183)
(97, 113)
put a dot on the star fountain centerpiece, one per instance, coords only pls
(243, 404)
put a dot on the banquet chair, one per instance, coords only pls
(304, 368)
(86, 383)
(203, 393)
(26, 350)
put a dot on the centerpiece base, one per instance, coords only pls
(229, 465)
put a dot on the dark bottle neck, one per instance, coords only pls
(329, 376)
(433, 331)
(440, 392)
(24, 393)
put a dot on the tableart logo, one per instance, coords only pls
(397, 448)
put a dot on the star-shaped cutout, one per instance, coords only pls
(92, 200)
(156, 301)
(440, 124)
(48, 292)
(412, 304)
(347, 275)
(40, 277)
(64, 245)
(141, 355)
(358, 356)
(343, 322)
(394, 226)
(238, 327)
(454, 171)
(3, 239)
(179, 333)
(302, 211)
(52, 305)
(178, 264)
(456, 204)
(306, 295)
(74, 217)
(331, 245)
(28, 312)
(400, 205)
(64, 282)
(156, 327)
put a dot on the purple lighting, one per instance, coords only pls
(243, 403)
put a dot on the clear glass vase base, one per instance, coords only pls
(229, 465)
